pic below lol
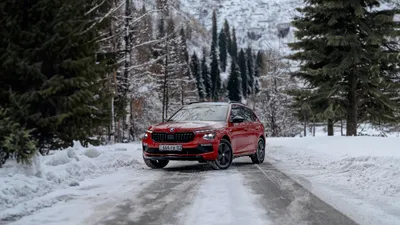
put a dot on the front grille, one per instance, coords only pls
(177, 137)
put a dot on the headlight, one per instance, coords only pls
(209, 136)
(147, 134)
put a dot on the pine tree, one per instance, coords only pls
(250, 70)
(215, 72)
(15, 140)
(196, 71)
(243, 72)
(57, 76)
(223, 51)
(346, 53)
(214, 30)
(205, 74)
(234, 83)
(227, 31)
(259, 67)
(234, 47)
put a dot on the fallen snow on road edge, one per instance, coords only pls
(359, 176)
(26, 189)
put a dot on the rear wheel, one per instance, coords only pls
(156, 164)
(259, 156)
(225, 156)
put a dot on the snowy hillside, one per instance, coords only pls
(262, 24)
(258, 22)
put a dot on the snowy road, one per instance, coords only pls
(245, 194)
(189, 193)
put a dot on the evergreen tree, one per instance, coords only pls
(215, 77)
(48, 60)
(250, 70)
(234, 47)
(346, 53)
(234, 83)
(196, 72)
(15, 140)
(227, 31)
(259, 67)
(205, 74)
(215, 72)
(223, 51)
(214, 30)
(243, 72)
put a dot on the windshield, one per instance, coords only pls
(201, 113)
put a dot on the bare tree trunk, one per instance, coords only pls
(182, 93)
(305, 124)
(114, 87)
(112, 131)
(254, 94)
(341, 127)
(118, 139)
(164, 113)
(331, 131)
(352, 106)
(313, 127)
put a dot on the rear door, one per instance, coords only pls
(238, 130)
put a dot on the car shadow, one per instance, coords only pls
(194, 168)
(202, 167)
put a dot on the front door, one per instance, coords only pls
(238, 131)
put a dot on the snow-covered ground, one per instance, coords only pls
(359, 176)
(58, 177)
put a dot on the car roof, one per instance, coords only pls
(214, 103)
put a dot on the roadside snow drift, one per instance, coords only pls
(23, 185)
(360, 176)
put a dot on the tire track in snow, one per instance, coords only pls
(223, 199)
(285, 201)
(160, 202)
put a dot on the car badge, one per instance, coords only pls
(171, 129)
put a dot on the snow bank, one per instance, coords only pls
(357, 175)
(60, 170)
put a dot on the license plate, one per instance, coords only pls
(170, 148)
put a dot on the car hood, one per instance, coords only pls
(187, 126)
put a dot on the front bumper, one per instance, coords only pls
(192, 151)
(173, 157)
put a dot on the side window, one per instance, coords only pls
(245, 114)
(235, 111)
(252, 116)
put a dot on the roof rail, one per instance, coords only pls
(194, 102)
(231, 102)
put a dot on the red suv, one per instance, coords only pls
(206, 132)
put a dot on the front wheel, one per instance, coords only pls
(225, 156)
(156, 164)
(259, 156)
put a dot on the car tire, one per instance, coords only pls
(259, 156)
(225, 156)
(156, 164)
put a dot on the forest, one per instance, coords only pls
(103, 71)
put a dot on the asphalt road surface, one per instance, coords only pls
(190, 193)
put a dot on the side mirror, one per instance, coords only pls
(237, 119)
